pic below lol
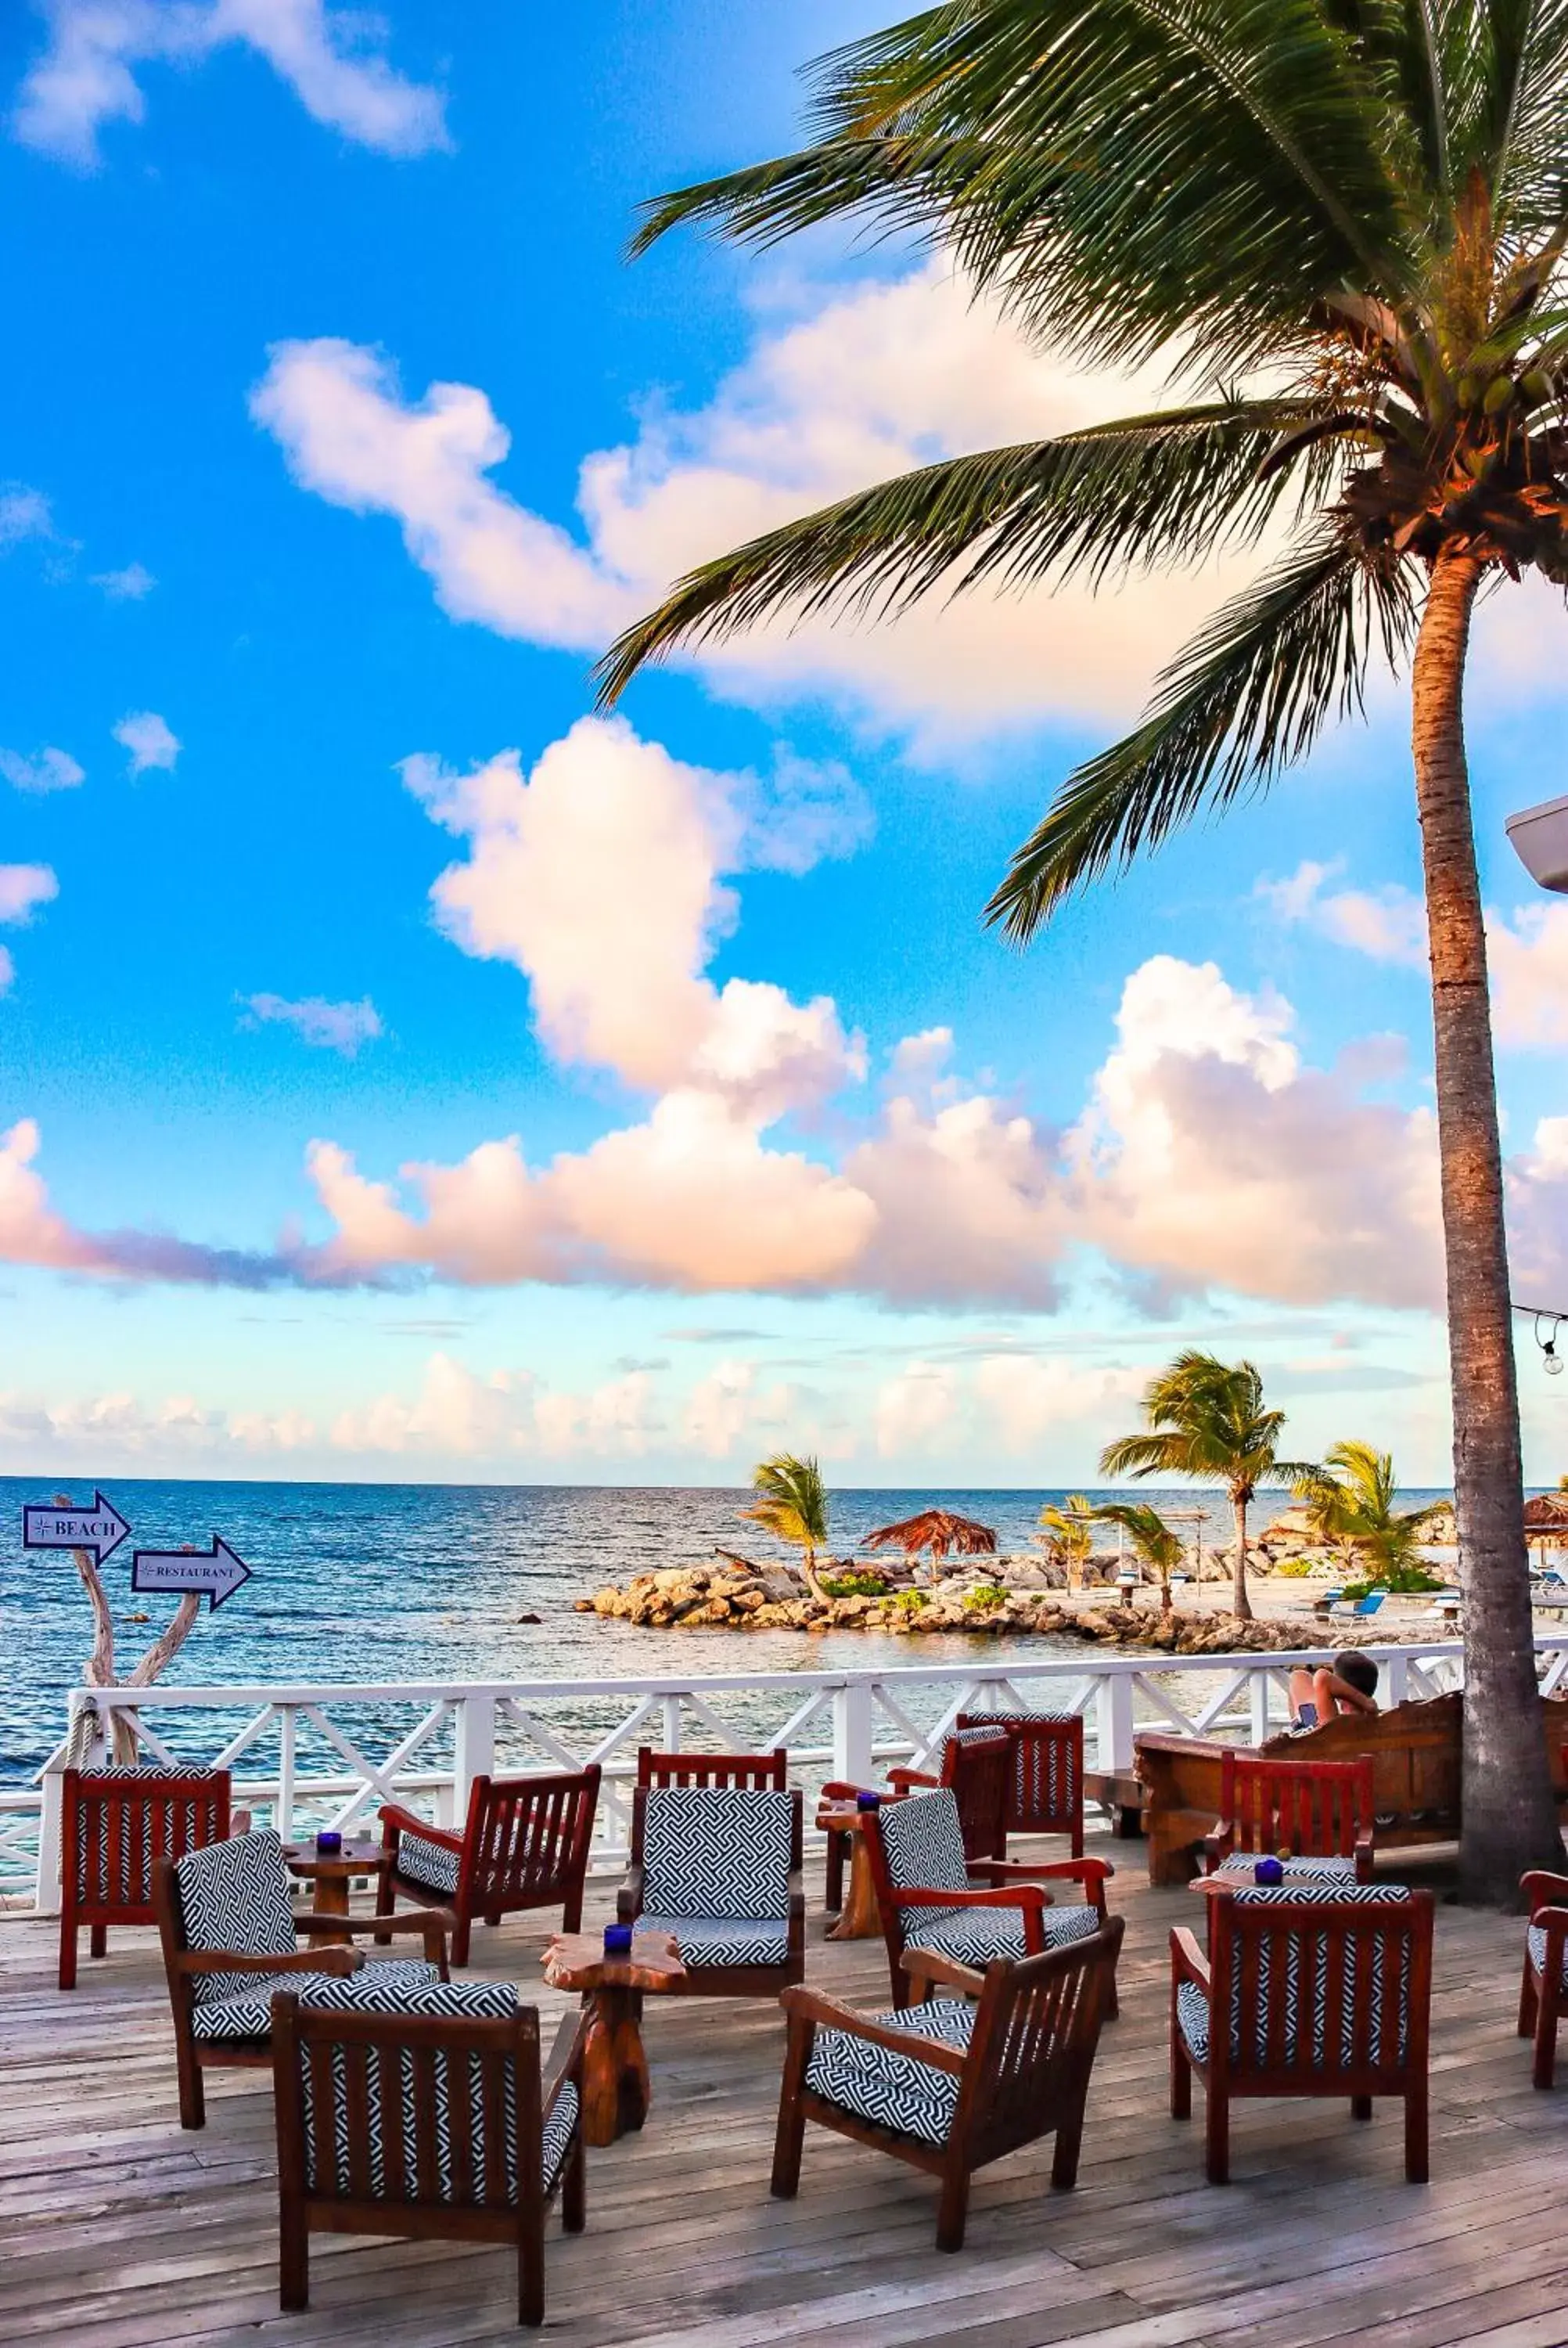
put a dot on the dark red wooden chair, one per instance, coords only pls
(1543, 1991)
(1311, 1810)
(1048, 1770)
(525, 1846)
(1321, 1991)
(760, 1770)
(116, 1824)
(977, 1767)
(718, 1869)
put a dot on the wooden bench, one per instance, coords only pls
(1415, 1750)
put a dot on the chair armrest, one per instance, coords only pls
(828, 2014)
(1542, 1889)
(1363, 1856)
(563, 2061)
(903, 1778)
(297, 1961)
(1188, 1962)
(630, 1898)
(1007, 1895)
(405, 1822)
(1553, 1921)
(1063, 1871)
(1218, 1844)
(927, 1965)
(437, 1925)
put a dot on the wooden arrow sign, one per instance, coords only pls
(216, 1571)
(98, 1529)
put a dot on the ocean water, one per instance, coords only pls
(398, 1581)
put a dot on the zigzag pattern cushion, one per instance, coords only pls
(723, 1940)
(891, 2089)
(973, 1936)
(923, 1844)
(135, 1884)
(717, 1850)
(1314, 1870)
(234, 1897)
(429, 1863)
(494, 2001)
(1193, 2019)
(248, 2013)
(1388, 2002)
(1536, 1939)
(1055, 1761)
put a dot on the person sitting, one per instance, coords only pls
(1349, 1685)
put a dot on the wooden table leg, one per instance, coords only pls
(329, 1897)
(860, 1917)
(615, 2083)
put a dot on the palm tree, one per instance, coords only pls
(1207, 1419)
(793, 1507)
(1066, 1538)
(1150, 1535)
(1350, 1504)
(1346, 218)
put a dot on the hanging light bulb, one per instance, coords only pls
(1553, 1359)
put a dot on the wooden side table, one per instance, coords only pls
(616, 2092)
(859, 1919)
(332, 1872)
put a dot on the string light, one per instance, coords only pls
(1550, 1359)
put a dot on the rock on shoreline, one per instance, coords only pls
(724, 1597)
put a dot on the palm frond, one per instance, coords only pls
(1519, 107)
(1247, 696)
(1165, 487)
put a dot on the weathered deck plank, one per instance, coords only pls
(118, 2231)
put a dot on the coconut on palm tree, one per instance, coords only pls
(1206, 1420)
(792, 1504)
(1350, 1507)
(1151, 1537)
(1342, 224)
(1065, 1535)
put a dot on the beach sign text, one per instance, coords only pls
(100, 1528)
(216, 1571)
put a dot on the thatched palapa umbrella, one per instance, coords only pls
(938, 1530)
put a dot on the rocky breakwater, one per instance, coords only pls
(728, 1597)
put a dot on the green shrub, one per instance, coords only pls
(911, 1601)
(1399, 1581)
(868, 1584)
(982, 1600)
(1295, 1568)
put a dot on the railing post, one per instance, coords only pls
(671, 1723)
(46, 1897)
(852, 1733)
(1258, 1685)
(1398, 1670)
(1113, 1722)
(476, 1754)
(283, 1817)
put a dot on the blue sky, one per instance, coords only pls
(314, 867)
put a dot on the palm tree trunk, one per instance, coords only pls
(1510, 1819)
(1241, 1603)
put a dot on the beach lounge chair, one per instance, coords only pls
(1543, 1990)
(718, 1867)
(116, 1823)
(229, 1939)
(423, 2114)
(949, 2085)
(1319, 1812)
(525, 1845)
(931, 1897)
(1316, 1990)
(1360, 1609)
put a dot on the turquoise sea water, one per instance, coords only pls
(388, 1581)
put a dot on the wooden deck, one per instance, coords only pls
(117, 2230)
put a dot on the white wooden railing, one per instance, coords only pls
(303, 1757)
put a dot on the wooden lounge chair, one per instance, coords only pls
(950, 2085)
(231, 1938)
(116, 1823)
(1543, 1990)
(718, 1868)
(525, 1845)
(760, 1770)
(932, 1897)
(976, 1765)
(1317, 1812)
(424, 2115)
(1048, 1773)
(1318, 1990)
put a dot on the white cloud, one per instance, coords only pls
(914, 1407)
(878, 379)
(46, 770)
(1027, 1397)
(23, 887)
(331, 57)
(149, 740)
(128, 586)
(24, 513)
(331, 1026)
(1389, 923)
(7, 970)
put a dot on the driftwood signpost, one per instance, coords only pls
(94, 1534)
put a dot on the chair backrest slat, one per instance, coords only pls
(1047, 1787)
(1327, 1984)
(527, 1838)
(1313, 1809)
(979, 1769)
(118, 1822)
(1034, 2040)
(760, 1771)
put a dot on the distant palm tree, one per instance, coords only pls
(1150, 1535)
(1207, 1421)
(1350, 1503)
(794, 1508)
(1066, 1538)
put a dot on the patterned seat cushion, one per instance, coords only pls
(1388, 2002)
(717, 1850)
(1314, 1870)
(923, 1844)
(429, 1863)
(889, 2088)
(248, 2013)
(1048, 1771)
(973, 1936)
(724, 1939)
(133, 1887)
(1536, 1939)
(234, 1899)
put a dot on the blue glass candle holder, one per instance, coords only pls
(618, 1939)
(328, 1842)
(868, 1801)
(1268, 1870)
